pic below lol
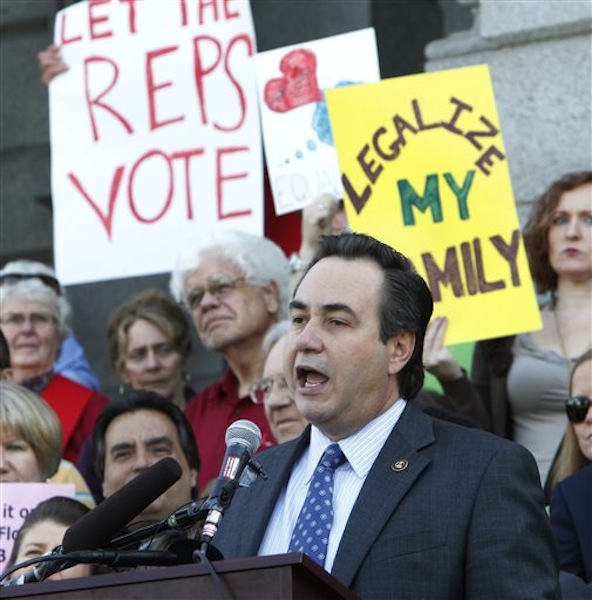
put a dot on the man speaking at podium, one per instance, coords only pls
(393, 503)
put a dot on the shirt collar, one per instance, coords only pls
(38, 383)
(361, 448)
(229, 388)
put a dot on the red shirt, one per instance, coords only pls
(211, 412)
(64, 395)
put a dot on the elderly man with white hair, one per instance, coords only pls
(235, 286)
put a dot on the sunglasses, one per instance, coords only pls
(577, 408)
(48, 280)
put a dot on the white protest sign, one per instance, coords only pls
(299, 149)
(154, 133)
(18, 500)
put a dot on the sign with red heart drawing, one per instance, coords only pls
(299, 149)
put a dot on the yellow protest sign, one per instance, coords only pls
(424, 169)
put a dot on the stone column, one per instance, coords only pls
(540, 57)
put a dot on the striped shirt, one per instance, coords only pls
(361, 450)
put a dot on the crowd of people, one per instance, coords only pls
(326, 353)
(481, 491)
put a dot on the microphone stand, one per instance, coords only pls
(181, 518)
(111, 558)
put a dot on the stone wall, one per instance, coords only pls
(540, 57)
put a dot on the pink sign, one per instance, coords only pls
(18, 500)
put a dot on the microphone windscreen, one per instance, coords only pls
(98, 527)
(244, 432)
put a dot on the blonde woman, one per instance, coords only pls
(31, 442)
(576, 450)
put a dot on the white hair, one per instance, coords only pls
(27, 267)
(34, 289)
(258, 259)
(275, 334)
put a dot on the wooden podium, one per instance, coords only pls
(291, 576)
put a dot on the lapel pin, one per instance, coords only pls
(400, 465)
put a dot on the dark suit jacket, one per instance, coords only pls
(571, 519)
(464, 519)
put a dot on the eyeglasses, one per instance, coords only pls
(48, 280)
(261, 389)
(219, 288)
(36, 319)
(577, 408)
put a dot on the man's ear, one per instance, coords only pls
(271, 297)
(400, 349)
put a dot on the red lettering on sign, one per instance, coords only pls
(97, 100)
(106, 220)
(221, 178)
(63, 39)
(152, 87)
(130, 187)
(94, 20)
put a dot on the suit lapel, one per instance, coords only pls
(394, 472)
(265, 493)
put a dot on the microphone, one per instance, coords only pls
(96, 528)
(117, 559)
(242, 440)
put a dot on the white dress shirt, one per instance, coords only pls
(361, 450)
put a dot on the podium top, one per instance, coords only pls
(292, 576)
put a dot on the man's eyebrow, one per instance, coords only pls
(297, 304)
(327, 308)
(162, 439)
(338, 307)
(121, 446)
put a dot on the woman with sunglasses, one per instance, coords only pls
(571, 500)
(576, 449)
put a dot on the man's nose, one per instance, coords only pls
(309, 337)
(142, 461)
(209, 299)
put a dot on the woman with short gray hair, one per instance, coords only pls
(35, 320)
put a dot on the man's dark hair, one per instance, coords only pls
(134, 401)
(406, 303)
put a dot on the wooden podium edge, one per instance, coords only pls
(305, 565)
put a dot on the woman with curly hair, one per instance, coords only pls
(523, 380)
